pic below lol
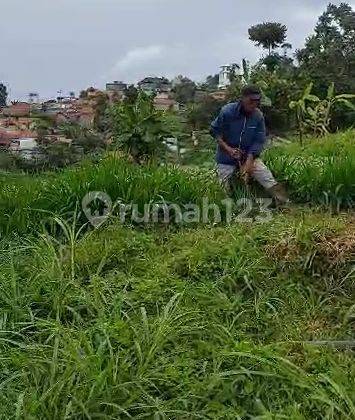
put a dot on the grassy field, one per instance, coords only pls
(320, 173)
(239, 321)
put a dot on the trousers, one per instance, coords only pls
(261, 173)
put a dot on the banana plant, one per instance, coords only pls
(319, 117)
(139, 128)
(300, 106)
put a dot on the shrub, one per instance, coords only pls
(138, 128)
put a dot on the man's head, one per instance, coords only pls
(251, 97)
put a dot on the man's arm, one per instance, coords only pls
(234, 153)
(217, 131)
(257, 146)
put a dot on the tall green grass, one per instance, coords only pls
(320, 173)
(203, 323)
(25, 201)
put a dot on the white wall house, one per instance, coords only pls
(224, 76)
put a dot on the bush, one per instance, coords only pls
(139, 129)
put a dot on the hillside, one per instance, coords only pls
(169, 321)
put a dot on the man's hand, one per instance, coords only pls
(233, 153)
(247, 169)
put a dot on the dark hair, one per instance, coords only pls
(251, 90)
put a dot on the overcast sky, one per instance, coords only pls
(51, 45)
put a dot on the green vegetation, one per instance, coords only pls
(172, 321)
(201, 323)
(25, 201)
(328, 55)
(138, 128)
(300, 107)
(167, 320)
(314, 114)
(268, 35)
(184, 90)
(321, 172)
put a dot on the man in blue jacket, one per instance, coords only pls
(241, 136)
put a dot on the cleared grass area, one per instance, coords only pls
(202, 323)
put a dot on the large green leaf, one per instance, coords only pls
(346, 96)
(308, 90)
(312, 98)
(331, 90)
(347, 103)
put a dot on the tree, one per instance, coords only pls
(329, 54)
(3, 95)
(275, 60)
(319, 117)
(100, 105)
(211, 83)
(286, 47)
(43, 126)
(234, 72)
(268, 35)
(246, 71)
(200, 115)
(184, 90)
(89, 140)
(130, 94)
(278, 89)
(83, 94)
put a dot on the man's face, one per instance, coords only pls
(250, 104)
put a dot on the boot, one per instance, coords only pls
(279, 193)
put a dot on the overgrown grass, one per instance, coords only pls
(25, 201)
(205, 322)
(202, 323)
(322, 171)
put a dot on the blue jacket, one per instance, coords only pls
(238, 130)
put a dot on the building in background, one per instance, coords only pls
(17, 109)
(155, 84)
(116, 91)
(226, 73)
(116, 86)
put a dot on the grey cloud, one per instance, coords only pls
(70, 44)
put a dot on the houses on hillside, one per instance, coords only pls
(116, 86)
(19, 116)
(155, 85)
(17, 109)
(164, 102)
